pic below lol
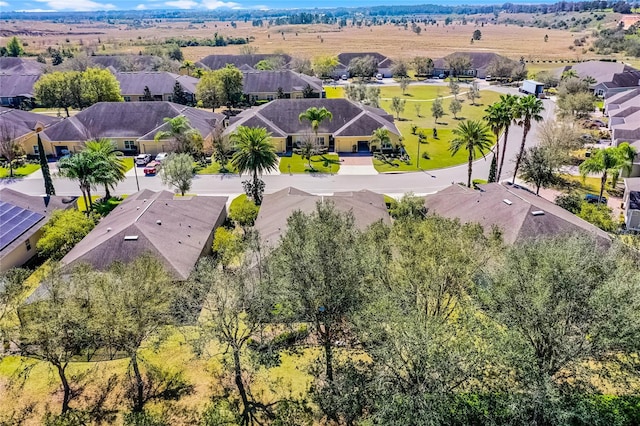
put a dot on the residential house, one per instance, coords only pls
(367, 208)
(384, 63)
(159, 83)
(10, 65)
(480, 64)
(126, 63)
(350, 130)
(23, 126)
(265, 85)
(517, 213)
(176, 230)
(621, 100)
(631, 204)
(623, 111)
(16, 90)
(22, 218)
(243, 62)
(131, 125)
(609, 77)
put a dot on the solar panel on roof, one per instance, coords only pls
(15, 221)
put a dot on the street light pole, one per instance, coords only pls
(135, 170)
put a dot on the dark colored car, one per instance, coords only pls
(593, 199)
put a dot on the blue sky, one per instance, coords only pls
(90, 5)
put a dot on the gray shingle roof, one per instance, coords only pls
(127, 62)
(183, 235)
(346, 57)
(158, 82)
(349, 118)
(270, 81)
(9, 65)
(271, 223)
(517, 221)
(214, 62)
(611, 74)
(12, 85)
(127, 119)
(480, 61)
(20, 123)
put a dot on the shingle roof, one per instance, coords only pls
(517, 220)
(480, 61)
(612, 74)
(349, 118)
(12, 85)
(45, 205)
(626, 98)
(127, 62)
(270, 81)
(9, 65)
(19, 123)
(214, 62)
(346, 57)
(158, 82)
(181, 237)
(271, 223)
(127, 119)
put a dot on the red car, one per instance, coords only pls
(152, 168)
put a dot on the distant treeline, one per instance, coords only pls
(217, 40)
(313, 16)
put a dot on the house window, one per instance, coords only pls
(320, 140)
(130, 145)
(270, 97)
(27, 244)
(36, 151)
(127, 98)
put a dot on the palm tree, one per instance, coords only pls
(112, 168)
(628, 155)
(316, 116)
(603, 161)
(508, 102)
(526, 109)
(81, 167)
(186, 138)
(381, 136)
(256, 155)
(474, 137)
(497, 116)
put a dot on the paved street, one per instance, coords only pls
(390, 183)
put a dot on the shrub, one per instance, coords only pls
(243, 212)
(64, 230)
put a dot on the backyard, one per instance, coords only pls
(22, 171)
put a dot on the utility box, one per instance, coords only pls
(532, 87)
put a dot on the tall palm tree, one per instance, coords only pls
(112, 169)
(81, 167)
(256, 155)
(185, 138)
(628, 155)
(527, 108)
(603, 161)
(508, 102)
(316, 116)
(474, 137)
(496, 115)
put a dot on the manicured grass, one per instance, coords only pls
(416, 92)
(213, 169)
(327, 163)
(112, 203)
(585, 185)
(128, 163)
(237, 201)
(334, 92)
(437, 149)
(25, 170)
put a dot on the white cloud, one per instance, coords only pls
(182, 4)
(141, 6)
(216, 4)
(77, 5)
(35, 10)
(4, 4)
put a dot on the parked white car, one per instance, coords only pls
(161, 156)
(143, 159)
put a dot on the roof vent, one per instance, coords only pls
(109, 229)
(507, 202)
(130, 237)
(159, 222)
(537, 213)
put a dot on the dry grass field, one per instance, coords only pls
(307, 40)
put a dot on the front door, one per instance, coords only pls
(363, 146)
(289, 144)
(61, 150)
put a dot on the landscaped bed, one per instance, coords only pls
(324, 163)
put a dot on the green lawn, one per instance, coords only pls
(128, 163)
(25, 170)
(213, 169)
(334, 92)
(437, 149)
(327, 163)
(585, 185)
(416, 92)
(237, 201)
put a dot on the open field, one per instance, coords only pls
(306, 40)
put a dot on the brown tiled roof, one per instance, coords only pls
(271, 223)
(515, 211)
(177, 230)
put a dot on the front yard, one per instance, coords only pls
(22, 171)
(325, 163)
